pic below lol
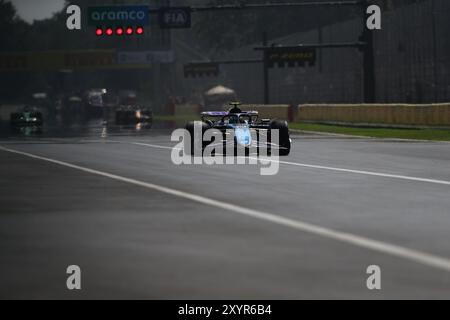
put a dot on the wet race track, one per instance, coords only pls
(112, 202)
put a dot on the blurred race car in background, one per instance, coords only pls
(27, 117)
(132, 115)
(29, 120)
(236, 127)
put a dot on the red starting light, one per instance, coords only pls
(129, 31)
(139, 30)
(119, 31)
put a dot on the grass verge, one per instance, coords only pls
(413, 134)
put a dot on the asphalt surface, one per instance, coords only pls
(129, 218)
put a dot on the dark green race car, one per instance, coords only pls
(26, 118)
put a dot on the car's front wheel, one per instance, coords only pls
(195, 148)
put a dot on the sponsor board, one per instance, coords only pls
(118, 15)
(290, 56)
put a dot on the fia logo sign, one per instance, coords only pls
(175, 18)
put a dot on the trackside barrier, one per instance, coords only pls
(278, 111)
(376, 114)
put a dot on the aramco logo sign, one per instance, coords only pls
(118, 15)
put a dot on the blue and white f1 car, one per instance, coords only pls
(243, 129)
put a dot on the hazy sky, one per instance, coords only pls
(31, 10)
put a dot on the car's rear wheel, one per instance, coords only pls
(284, 138)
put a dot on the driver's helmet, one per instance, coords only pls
(235, 107)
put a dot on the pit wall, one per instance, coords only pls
(393, 115)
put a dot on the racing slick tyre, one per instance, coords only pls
(196, 148)
(285, 141)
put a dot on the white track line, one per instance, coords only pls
(151, 145)
(359, 241)
(305, 165)
(368, 173)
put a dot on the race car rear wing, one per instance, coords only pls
(226, 113)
